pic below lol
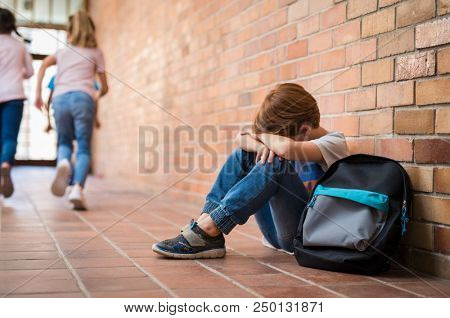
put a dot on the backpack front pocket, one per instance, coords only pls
(348, 218)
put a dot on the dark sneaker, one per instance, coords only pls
(192, 243)
(7, 185)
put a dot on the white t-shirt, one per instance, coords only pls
(77, 67)
(333, 147)
(15, 66)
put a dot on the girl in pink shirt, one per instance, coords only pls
(74, 101)
(15, 66)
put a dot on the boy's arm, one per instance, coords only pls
(247, 142)
(290, 149)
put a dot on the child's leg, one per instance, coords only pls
(277, 182)
(10, 123)
(83, 113)
(237, 166)
(64, 127)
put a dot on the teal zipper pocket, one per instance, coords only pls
(375, 200)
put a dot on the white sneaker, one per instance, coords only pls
(266, 243)
(76, 197)
(61, 181)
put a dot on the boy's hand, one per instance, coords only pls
(265, 155)
(246, 142)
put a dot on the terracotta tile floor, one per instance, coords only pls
(47, 250)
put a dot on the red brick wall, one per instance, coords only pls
(379, 70)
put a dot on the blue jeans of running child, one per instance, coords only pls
(10, 117)
(74, 118)
(273, 192)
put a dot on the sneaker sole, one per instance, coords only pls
(267, 244)
(215, 253)
(8, 187)
(61, 181)
(78, 205)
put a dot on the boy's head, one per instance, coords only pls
(288, 110)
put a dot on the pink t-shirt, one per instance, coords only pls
(77, 67)
(15, 66)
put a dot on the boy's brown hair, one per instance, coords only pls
(285, 109)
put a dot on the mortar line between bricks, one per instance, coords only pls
(69, 266)
(267, 264)
(369, 277)
(212, 270)
(121, 252)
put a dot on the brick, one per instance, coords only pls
(443, 61)
(267, 77)
(377, 123)
(443, 7)
(317, 6)
(287, 71)
(286, 34)
(395, 94)
(421, 178)
(433, 33)
(366, 146)
(415, 11)
(321, 84)
(442, 180)
(414, 121)
(398, 149)
(308, 66)
(379, 71)
(435, 264)
(433, 91)
(330, 104)
(297, 49)
(244, 99)
(320, 42)
(346, 33)
(396, 42)
(415, 65)
(298, 10)
(308, 26)
(442, 239)
(332, 60)
(419, 235)
(347, 124)
(347, 79)
(430, 208)
(443, 121)
(363, 51)
(333, 16)
(385, 3)
(358, 8)
(432, 150)
(378, 22)
(362, 99)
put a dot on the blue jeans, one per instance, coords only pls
(10, 117)
(273, 192)
(74, 117)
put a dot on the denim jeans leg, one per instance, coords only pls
(249, 194)
(11, 116)
(64, 126)
(82, 110)
(237, 165)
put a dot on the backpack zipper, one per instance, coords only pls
(404, 218)
(313, 200)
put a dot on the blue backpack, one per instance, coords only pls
(355, 217)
